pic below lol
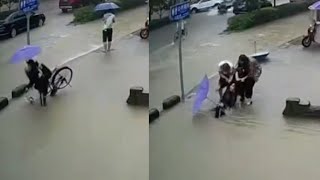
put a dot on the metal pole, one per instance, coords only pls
(28, 28)
(180, 61)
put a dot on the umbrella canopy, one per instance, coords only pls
(315, 6)
(106, 7)
(25, 53)
(202, 94)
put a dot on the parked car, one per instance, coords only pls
(239, 6)
(204, 5)
(17, 22)
(66, 5)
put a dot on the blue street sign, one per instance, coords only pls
(29, 5)
(179, 11)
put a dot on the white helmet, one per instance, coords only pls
(225, 66)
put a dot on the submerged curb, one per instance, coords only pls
(167, 104)
(4, 102)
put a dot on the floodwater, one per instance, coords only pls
(87, 131)
(251, 142)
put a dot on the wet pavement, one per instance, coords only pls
(252, 142)
(87, 131)
(206, 45)
(61, 41)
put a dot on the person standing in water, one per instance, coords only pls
(107, 32)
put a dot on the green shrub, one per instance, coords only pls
(128, 4)
(264, 15)
(85, 14)
(286, 10)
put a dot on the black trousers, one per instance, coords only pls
(249, 84)
(245, 89)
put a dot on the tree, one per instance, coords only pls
(158, 6)
(8, 3)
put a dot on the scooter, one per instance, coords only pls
(144, 33)
(309, 38)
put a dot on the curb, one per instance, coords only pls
(18, 91)
(153, 114)
(4, 102)
(167, 104)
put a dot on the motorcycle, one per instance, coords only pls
(144, 33)
(309, 38)
(312, 33)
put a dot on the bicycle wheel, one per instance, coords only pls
(62, 78)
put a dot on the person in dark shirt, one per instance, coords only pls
(38, 76)
(247, 74)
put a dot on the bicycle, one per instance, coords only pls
(59, 80)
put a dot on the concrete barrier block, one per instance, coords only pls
(170, 102)
(296, 108)
(3, 102)
(153, 114)
(137, 97)
(19, 91)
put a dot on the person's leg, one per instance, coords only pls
(109, 34)
(104, 39)
(239, 89)
(41, 98)
(249, 84)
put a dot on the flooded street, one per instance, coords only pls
(87, 131)
(254, 142)
(206, 45)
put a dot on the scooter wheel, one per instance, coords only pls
(306, 42)
(144, 33)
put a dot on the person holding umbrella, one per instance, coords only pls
(107, 32)
(108, 20)
(38, 74)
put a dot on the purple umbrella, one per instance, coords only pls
(202, 94)
(25, 53)
(315, 6)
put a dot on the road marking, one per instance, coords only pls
(96, 47)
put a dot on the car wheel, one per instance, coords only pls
(13, 33)
(40, 23)
(64, 10)
(194, 10)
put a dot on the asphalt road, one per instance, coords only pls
(254, 142)
(86, 131)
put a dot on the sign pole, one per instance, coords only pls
(180, 61)
(177, 13)
(28, 27)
